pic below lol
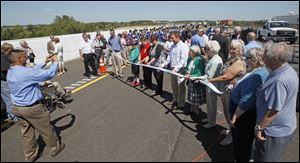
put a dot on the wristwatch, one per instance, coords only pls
(258, 128)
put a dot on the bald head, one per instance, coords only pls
(251, 36)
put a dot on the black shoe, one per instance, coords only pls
(188, 112)
(87, 75)
(194, 116)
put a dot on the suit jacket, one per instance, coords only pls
(235, 37)
(224, 44)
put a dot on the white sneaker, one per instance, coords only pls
(204, 120)
(227, 140)
(208, 125)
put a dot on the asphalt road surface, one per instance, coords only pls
(109, 120)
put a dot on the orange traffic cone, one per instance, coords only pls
(102, 67)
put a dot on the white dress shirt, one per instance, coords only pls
(86, 47)
(178, 56)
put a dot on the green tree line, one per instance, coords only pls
(62, 25)
(68, 25)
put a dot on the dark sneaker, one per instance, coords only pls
(87, 75)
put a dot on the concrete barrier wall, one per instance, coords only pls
(70, 44)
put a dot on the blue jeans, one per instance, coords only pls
(5, 94)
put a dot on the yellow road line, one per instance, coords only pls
(91, 82)
(87, 84)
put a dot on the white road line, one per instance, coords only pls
(81, 82)
(76, 85)
(69, 87)
(87, 79)
(93, 77)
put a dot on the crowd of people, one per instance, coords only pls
(259, 104)
(259, 86)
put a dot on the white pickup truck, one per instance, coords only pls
(278, 31)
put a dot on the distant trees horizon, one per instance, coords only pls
(64, 24)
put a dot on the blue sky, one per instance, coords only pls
(35, 12)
